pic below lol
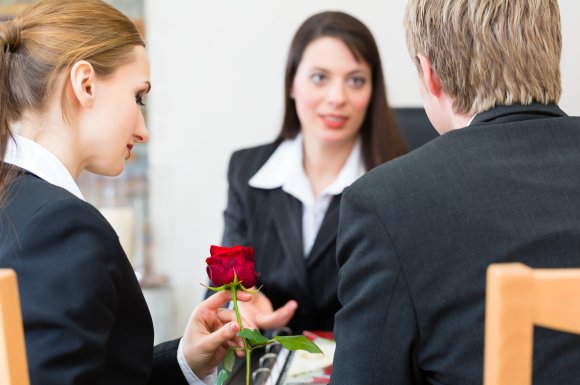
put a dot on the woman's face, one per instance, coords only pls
(117, 121)
(332, 91)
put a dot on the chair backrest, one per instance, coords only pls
(415, 126)
(13, 365)
(517, 298)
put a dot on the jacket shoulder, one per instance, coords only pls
(246, 162)
(30, 196)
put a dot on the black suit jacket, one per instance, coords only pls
(417, 234)
(270, 221)
(85, 317)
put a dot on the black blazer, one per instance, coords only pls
(417, 234)
(85, 317)
(270, 221)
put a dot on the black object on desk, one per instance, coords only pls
(263, 368)
(267, 363)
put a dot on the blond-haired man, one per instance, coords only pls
(500, 184)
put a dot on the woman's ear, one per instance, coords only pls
(430, 78)
(83, 82)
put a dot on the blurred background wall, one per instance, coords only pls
(217, 74)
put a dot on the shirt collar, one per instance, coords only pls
(33, 157)
(284, 169)
(471, 120)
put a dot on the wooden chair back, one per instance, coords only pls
(517, 298)
(13, 365)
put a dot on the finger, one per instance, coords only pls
(216, 300)
(212, 341)
(236, 342)
(278, 318)
(219, 299)
(248, 323)
(225, 316)
(243, 296)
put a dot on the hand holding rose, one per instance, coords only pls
(231, 269)
(210, 331)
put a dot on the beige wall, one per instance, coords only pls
(217, 72)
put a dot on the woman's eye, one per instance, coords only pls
(317, 78)
(357, 81)
(139, 100)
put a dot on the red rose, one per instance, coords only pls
(225, 261)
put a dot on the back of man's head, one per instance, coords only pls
(489, 52)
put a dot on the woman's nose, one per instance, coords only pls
(141, 133)
(336, 93)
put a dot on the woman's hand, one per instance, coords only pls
(210, 331)
(261, 313)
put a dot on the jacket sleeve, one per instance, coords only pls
(166, 369)
(376, 330)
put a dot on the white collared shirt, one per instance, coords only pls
(33, 157)
(284, 169)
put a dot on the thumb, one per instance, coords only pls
(225, 333)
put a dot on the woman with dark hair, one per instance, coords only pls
(284, 197)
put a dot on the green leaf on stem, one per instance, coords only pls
(229, 359)
(222, 377)
(253, 335)
(298, 343)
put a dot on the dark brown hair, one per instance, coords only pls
(381, 139)
(39, 45)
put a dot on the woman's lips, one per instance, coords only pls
(334, 121)
(129, 148)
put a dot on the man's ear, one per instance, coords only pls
(430, 78)
(83, 82)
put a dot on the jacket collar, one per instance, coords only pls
(284, 169)
(517, 112)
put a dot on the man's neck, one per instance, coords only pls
(460, 121)
(453, 120)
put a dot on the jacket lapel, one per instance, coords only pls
(327, 232)
(287, 215)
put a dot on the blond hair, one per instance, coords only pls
(489, 52)
(39, 45)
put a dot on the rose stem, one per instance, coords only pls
(246, 347)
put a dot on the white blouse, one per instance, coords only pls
(32, 157)
(284, 169)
